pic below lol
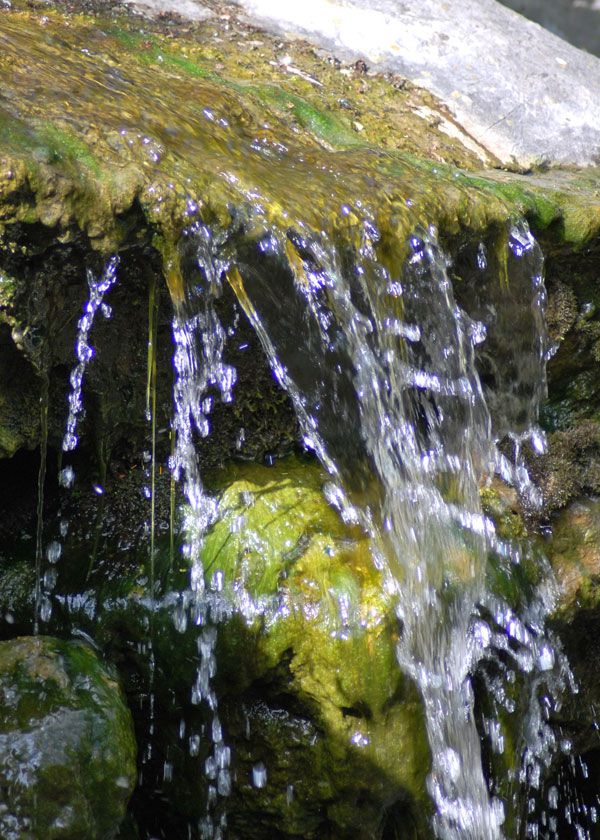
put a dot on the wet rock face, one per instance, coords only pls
(571, 415)
(307, 668)
(43, 293)
(309, 689)
(67, 752)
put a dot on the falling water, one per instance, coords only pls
(391, 381)
(84, 352)
(199, 340)
(381, 367)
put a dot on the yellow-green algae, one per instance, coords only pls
(96, 116)
(319, 601)
(323, 606)
(574, 552)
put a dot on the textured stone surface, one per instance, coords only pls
(523, 93)
(577, 21)
(67, 752)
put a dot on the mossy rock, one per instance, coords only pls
(67, 758)
(571, 466)
(163, 120)
(311, 648)
(315, 677)
(574, 552)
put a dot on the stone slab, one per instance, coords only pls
(577, 21)
(521, 92)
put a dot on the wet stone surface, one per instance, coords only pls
(67, 752)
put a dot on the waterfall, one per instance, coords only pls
(199, 340)
(404, 396)
(411, 403)
(382, 369)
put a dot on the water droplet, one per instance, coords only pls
(53, 551)
(481, 257)
(194, 745)
(546, 658)
(45, 609)
(217, 732)
(210, 767)
(50, 578)
(259, 775)
(217, 581)
(477, 332)
(538, 441)
(359, 740)
(224, 783)
(180, 616)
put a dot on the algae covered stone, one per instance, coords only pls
(67, 750)
(573, 549)
(309, 656)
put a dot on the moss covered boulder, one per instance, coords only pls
(307, 673)
(67, 752)
(574, 551)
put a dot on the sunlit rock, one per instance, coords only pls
(307, 662)
(475, 55)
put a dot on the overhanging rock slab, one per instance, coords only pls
(524, 94)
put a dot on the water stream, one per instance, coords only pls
(199, 340)
(383, 374)
(412, 405)
(405, 398)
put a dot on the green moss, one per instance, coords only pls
(574, 552)
(69, 763)
(324, 612)
(157, 119)
(8, 289)
(501, 504)
(14, 133)
(322, 125)
(64, 145)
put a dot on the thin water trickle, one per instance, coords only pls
(41, 599)
(83, 349)
(383, 372)
(199, 341)
(46, 580)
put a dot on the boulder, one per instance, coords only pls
(67, 751)
(307, 664)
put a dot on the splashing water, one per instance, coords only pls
(381, 367)
(199, 340)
